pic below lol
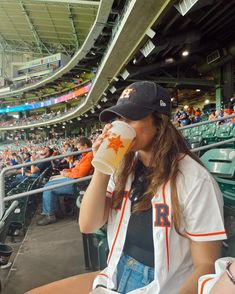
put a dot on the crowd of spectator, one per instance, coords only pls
(184, 117)
(12, 121)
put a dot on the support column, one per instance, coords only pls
(227, 83)
(218, 88)
(218, 96)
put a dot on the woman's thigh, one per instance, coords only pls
(81, 284)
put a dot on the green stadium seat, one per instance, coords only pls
(95, 246)
(102, 248)
(224, 132)
(227, 187)
(233, 132)
(229, 219)
(186, 133)
(209, 136)
(220, 162)
(195, 141)
(204, 128)
(195, 132)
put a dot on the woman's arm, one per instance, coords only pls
(95, 205)
(204, 255)
(224, 284)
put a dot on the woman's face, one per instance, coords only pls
(145, 133)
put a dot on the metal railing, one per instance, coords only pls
(3, 199)
(206, 122)
(228, 141)
(217, 144)
(10, 209)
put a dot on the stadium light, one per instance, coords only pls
(112, 89)
(185, 53)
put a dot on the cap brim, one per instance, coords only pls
(127, 110)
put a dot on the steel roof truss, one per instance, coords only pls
(39, 42)
(75, 33)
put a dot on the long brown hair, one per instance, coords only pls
(168, 146)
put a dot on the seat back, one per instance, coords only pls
(233, 132)
(220, 162)
(224, 132)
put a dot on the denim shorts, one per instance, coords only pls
(132, 275)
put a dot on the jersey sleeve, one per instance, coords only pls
(203, 211)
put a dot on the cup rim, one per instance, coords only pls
(125, 124)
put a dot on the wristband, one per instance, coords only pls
(229, 274)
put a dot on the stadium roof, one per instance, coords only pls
(45, 26)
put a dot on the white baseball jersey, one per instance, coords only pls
(206, 282)
(202, 220)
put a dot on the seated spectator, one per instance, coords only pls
(14, 160)
(212, 115)
(197, 118)
(35, 170)
(228, 112)
(191, 110)
(176, 118)
(184, 118)
(220, 114)
(27, 157)
(233, 119)
(82, 168)
(199, 110)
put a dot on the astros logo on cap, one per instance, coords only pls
(126, 93)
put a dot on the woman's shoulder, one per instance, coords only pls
(190, 168)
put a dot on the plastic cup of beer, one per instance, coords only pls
(111, 152)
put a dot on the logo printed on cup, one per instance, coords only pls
(115, 143)
(111, 152)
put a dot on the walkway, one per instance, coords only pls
(46, 254)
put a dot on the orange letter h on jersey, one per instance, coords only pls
(162, 215)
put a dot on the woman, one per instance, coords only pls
(164, 210)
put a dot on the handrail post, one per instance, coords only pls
(2, 193)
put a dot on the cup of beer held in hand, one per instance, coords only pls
(111, 152)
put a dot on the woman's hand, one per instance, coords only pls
(101, 137)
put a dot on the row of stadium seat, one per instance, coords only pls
(208, 134)
(221, 163)
(26, 205)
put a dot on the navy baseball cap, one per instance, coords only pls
(139, 100)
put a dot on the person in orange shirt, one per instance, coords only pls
(51, 197)
(233, 119)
